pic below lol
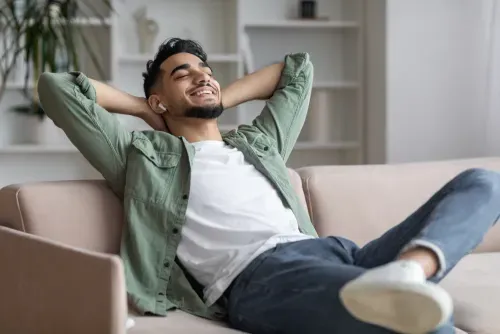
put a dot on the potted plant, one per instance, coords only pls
(40, 36)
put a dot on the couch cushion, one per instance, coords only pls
(177, 322)
(297, 186)
(362, 202)
(83, 214)
(475, 287)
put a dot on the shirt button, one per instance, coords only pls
(166, 264)
(175, 230)
(185, 197)
(152, 157)
(160, 294)
(266, 148)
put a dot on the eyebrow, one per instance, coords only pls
(187, 66)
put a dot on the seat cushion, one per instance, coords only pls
(177, 322)
(475, 287)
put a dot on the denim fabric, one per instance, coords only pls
(294, 288)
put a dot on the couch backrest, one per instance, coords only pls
(84, 214)
(362, 202)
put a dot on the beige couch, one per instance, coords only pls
(57, 240)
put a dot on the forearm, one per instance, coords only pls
(116, 101)
(259, 85)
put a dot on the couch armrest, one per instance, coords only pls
(47, 287)
(362, 202)
(84, 214)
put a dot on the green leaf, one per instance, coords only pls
(39, 44)
(72, 50)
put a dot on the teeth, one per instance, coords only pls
(203, 92)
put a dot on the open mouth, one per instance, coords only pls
(205, 91)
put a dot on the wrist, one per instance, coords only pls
(141, 107)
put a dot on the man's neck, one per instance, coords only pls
(195, 130)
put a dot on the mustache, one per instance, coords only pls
(206, 84)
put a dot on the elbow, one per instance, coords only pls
(45, 86)
(49, 89)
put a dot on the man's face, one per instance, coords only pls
(188, 88)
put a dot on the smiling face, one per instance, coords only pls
(187, 88)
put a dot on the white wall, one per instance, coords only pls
(435, 80)
(492, 31)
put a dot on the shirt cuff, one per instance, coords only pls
(85, 85)
(295, 65)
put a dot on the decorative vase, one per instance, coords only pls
(147, 30)
(308, 9)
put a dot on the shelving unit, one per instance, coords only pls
(311, 24)
(333, 134)
(336, 85)
(335, 43)
(327, 146)
(37, 149)
(214, 58)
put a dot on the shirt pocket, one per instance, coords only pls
(150, 172)
(264, 148)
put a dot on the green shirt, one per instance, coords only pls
(150, 172)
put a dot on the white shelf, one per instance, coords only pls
(92, 21)
(18, 85)
(43, 149)
(336, 85)
(87, 21)
(212, 58)
(341, 145)
(37, 149)
(305, 24)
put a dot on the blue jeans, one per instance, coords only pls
(294, 287)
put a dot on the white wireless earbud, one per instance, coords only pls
(162, 107)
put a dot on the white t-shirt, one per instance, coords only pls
(234, 214)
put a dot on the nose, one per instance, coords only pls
(202, 77)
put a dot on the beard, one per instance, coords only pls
(205, 112)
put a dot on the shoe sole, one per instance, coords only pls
(403, 307)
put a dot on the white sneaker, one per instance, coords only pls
(397, 296)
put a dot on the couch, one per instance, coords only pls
(59, 240)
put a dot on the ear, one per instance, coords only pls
(156, 105)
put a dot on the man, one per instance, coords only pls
(214, 227)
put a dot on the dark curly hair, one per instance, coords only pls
(169, 48)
